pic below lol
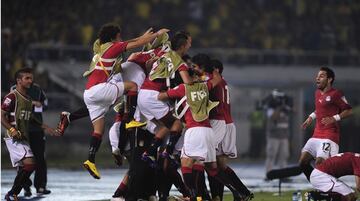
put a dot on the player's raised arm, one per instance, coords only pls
(147, 37)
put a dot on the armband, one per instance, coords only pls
(313, 115)
(337, 117)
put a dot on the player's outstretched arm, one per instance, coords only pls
(49, 130)
(308, 121)
(147, 37)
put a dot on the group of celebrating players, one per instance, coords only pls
(174, 111)
(200, 100)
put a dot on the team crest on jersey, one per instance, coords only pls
(328, 98)
(7, 101)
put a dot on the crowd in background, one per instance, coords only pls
(260, 24)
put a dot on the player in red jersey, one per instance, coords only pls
(222, 124)
(163, 70)
(330, 107)
(325, 175)
(199, 144)
(226, 146)
(104, 86)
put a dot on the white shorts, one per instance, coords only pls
(180, 143)
(323, 148)
(114, 135)
(151, 127)
(100, 97)
(133, 72)
(18, 151)
(228, 145)
(150, 106)
(199, 144)
(327, 183)
(219, 128)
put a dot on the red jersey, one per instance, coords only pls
(227, 107)
(179, 92)
(329, 104)
(143, 57)
(98, 75)
(160, 84)
(342, 164)
(218, 94)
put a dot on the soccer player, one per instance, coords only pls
(104, 87)
(134, 69)
(330, 107)
(16, 113)
(325, 176)
(159, 79)
(37, 140)
(225, 131)
(199, 143)
(223, 126)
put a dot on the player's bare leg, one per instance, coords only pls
(305, 164)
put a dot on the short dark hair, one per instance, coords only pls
(179, 39)
(203, 61)
(329, 73)
(216, 64)
(108, 32)
(20, 73)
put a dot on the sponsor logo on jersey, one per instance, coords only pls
(328, 98)
(198, 95)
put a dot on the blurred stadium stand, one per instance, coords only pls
(264, 44)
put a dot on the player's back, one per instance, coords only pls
(342, 164)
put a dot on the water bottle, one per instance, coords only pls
(299, 196)
(296, 196)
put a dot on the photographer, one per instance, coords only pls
(278, 107)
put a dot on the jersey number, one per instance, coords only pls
(326, 147)
(227, 97)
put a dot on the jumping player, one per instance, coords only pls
(104, 87)
(330, 107)
(159, 79)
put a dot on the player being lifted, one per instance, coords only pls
(330, 107)
(159, 79)
(104, 87)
